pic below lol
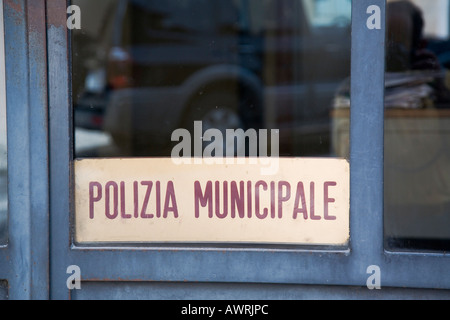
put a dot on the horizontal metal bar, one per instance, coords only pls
(182, 291)
(259, 267)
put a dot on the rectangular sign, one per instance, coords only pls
(158, 201)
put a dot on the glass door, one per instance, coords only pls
(142, 102)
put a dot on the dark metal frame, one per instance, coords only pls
(41, 178)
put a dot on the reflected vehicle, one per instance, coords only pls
(156, 66)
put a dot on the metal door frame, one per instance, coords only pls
(41, 179)
(243, 265)
(24, 262)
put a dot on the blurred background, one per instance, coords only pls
(143, 68)
(417, 126)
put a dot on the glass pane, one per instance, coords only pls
(197, 79)
(3, 155)
(417, 127)
(145, 68)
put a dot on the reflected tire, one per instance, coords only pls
(222, 110)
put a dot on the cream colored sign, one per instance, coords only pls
(157, 201)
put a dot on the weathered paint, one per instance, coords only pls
(60, 146)
(26, 90)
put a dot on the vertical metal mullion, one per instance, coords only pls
(60, 146)
(39, 156)
(367, 136)
(26, 93)
(17, 85)
(4, 264)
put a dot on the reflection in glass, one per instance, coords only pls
(144, 68)
(417, 127)
(3, 155)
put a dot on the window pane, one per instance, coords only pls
(3, 155)
(144, 68)
(417, 127)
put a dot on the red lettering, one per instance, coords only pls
(122, 202)
(257, 200)
(203, 199)
(328, 200)
(283, 198)
(221, 215)
(249, 197)
(272, 200)
(115, 188)
(144, 214)
(237, 199)
(92, 198)
(115, 198)
(136, 199)
(170, 198)
(312, 204)
(158, 199)
(300, 197)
